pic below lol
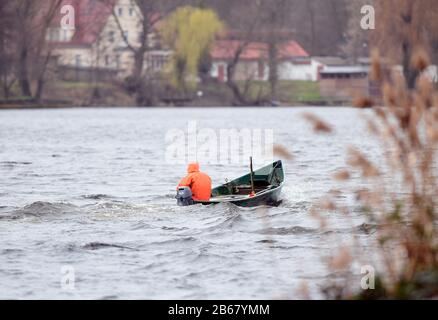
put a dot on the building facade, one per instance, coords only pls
(103, 37)
(293, 62)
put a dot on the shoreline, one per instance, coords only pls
(54, 107)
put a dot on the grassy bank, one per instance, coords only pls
(288, 92)
(62, 94)
(84, 94)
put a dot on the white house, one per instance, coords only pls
(294, 63)
(99, 38)
(306, 69)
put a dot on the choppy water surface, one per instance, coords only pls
(90, 189)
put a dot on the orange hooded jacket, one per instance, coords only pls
(199, 182)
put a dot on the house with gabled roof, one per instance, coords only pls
(294, 63)
(99, 41)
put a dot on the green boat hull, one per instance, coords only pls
(268, 182)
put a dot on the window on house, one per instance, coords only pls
(154, 63)
(78, 60)
(54, 34)
(261, 70)
(111, 36)
(120, 11)
(107, 60)
(124, 39)
(118, 61)
(64, 35)
(163, 62)
(153, 40)
(157, 62)
(131, 11)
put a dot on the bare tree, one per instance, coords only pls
(265, 25)
(149, 13)
(403, 27)
(310, 6)
(244, 36)
(275, 34)
(7, 77)
(31, 22)
(319, 25)
(357, 39)
(240, 96)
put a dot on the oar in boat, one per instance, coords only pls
(252, 194)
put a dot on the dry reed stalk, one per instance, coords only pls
(407, 129)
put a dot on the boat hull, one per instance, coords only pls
(270, 198)
(268, 182)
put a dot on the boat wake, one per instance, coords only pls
(40, 209)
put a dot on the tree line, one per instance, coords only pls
(322, 27)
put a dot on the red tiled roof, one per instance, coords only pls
(226, 49)
(291, 49)
(91, 17)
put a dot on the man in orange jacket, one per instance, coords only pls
(199, 183)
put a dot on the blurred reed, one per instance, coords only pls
(401, 194)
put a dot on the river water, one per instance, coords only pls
(87, 195)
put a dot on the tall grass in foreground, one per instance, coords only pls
(401, 194)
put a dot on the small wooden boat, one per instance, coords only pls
(261, 187)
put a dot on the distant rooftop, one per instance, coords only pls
(332, 61)
(91, 18)
(226, 49)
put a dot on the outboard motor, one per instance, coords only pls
(184, 196)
